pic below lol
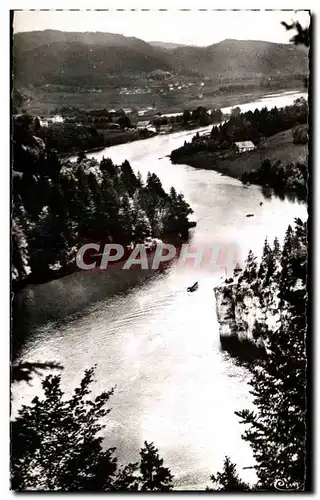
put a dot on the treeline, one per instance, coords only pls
(277, 290)
(250, 126)
(199, 116)
(291, 177)
(69, 137)
(265, 82)
(98, 118)
(57, 206)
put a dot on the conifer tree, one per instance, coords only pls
(263, 268)
(153, 475)
(56, 442)
(228, 479)
(250, 271)
(276, 248)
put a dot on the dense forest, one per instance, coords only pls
(250, 126)
(289, 177)
(58, 205)
(255, 126)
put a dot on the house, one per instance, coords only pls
(244, 146)
(143, 124)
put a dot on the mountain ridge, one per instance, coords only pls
(90, 58)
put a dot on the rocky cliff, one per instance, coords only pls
(238, 319)
(247, 304)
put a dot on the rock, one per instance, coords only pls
(237, 318)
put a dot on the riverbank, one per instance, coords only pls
(277, 147)
(243, 166)
(71, 267)
(225, 102)
(106, 139)
(252, 304)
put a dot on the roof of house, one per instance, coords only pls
(143, 123)
(245, 144)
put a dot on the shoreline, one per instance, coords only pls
(72, 268)
(239, 99)
(202, 161)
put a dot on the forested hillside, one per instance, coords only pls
(55, 57)
(57, 206)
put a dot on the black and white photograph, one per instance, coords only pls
(159, 224)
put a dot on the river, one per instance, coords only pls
(152, 341)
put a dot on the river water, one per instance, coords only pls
(151, 340)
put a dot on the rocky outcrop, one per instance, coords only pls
(238, 316)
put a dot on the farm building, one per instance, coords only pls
(143, 124)
(244, 146)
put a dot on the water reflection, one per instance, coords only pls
(293, 197)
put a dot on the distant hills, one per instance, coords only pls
(167, 45)
(93, 58)
(242, 59)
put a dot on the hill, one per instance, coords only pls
(81, 59)
(91, 58)
(242, 59)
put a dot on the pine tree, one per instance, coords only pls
(153, 476)
(228, 479)
(237, 269)
(276, 248)
(263, 268)
(250, 271)
(128, 178)
(286, 276)
(107, 166)
(126, 219)
(141, 226)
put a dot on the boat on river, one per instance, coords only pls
(194, 287)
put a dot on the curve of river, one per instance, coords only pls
(155, 342)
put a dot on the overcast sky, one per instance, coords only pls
(194, 28)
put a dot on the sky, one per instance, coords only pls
(187, 27)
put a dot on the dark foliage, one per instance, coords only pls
(56, 445)
(302, 36)
(228, 479)
(59, 206)
(276, 429)
(25, 371)
(282, 178)
(66, 137)
(250, 126)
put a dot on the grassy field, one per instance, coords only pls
(44, 100)
(276, 147)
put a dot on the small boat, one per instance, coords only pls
(250, 215)
(261, 203)
(193, 288)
